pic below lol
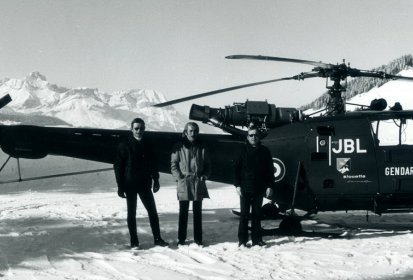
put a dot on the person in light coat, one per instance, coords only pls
(190, 166)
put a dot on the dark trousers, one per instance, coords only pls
(247, 202)
(183, 220)
(148, 201)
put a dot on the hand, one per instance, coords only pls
(239, 191)
(121, 194)
(268, 192)
(156, 186)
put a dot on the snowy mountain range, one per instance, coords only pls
(36, 101)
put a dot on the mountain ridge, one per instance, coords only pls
(34, 97)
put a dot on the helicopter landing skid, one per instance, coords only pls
(305, 233)
(267, 216)
(291, 226)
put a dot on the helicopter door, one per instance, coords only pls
(343, 163)
(394, 139)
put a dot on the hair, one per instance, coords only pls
(137, 120)
(193, 124)
(253, 127)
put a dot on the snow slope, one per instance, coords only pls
(393, 91)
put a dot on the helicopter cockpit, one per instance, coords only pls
(393, 131)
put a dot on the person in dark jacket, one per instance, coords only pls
(190, 166)
(135, 169)
(254, 177)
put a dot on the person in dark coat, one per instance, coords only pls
(190, 166)
(135, 169)
(254, 177)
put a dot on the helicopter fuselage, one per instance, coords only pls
(344, 162)
(352, 161)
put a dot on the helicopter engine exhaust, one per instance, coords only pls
(243, 114)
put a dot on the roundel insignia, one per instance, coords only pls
(279, 169)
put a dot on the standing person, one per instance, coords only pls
(254, 174)
(190, 167)
(135, 169)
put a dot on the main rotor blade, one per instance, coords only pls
(380, 74)
(283, 59)
(301, 76)
(5, 100)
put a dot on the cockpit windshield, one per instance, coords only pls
(393, 132)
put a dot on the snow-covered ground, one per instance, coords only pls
(75, 228)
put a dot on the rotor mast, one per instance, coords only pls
(335, 103)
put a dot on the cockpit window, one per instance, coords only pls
(393, 132)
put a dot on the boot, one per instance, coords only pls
(160, 242)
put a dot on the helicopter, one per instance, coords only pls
(336, 160)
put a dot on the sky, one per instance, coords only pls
(179, 47)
